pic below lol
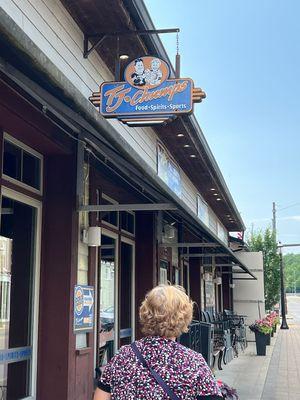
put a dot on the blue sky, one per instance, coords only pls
(246, 55)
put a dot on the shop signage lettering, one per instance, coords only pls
(83, 308)
(147, 93)
(15, 355)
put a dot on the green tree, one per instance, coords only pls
(266, 242)
(292, 272)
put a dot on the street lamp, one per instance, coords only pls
(284, 324)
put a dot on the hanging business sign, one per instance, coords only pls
(147, 95)
(83, 308)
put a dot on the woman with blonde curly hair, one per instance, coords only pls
(157, 367)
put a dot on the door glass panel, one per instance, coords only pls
(17, 238)
(106, 317)
(126, 293)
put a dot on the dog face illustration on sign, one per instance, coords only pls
(147, 72)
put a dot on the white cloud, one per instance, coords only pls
(291, 218)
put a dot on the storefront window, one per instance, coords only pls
(21, 165)
(163, 272)
(213, 223)
(17, 244)
(202, 210)
(111, 217)
(127, 222)
(12, 160)
(168, 170)
(222, 233)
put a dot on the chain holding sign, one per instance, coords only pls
(147, 96)
(83, 308)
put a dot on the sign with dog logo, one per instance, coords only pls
(83, 308)
(148, 95)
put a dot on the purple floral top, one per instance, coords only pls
(183, 370)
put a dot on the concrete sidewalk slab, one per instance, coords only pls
(283, 378)
(247, 373)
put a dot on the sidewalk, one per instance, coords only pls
(283, 378)
(273, 377)
(248, 372)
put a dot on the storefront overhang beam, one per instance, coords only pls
(223, 265)
(227, 265)
(201, 255)
(128, 207)
(189, 245)
(232, 272)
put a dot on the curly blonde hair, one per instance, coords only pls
(166, 311)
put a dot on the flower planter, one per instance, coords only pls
(261, 343)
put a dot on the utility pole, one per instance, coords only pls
(274, 219)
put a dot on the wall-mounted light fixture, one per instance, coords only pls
(169, 231)
(232, 285)
(92, 236)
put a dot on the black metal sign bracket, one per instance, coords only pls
(99, 38)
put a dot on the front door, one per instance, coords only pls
(107, 324)
(19, 261)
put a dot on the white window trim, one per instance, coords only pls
(12, 194)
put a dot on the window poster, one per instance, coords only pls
(202, 210)
(209, 294)
(168, 171)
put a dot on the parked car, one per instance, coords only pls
(107, 318)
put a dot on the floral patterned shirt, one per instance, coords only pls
(183, 370)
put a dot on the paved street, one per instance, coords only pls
(294, 309)
(275, 376)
